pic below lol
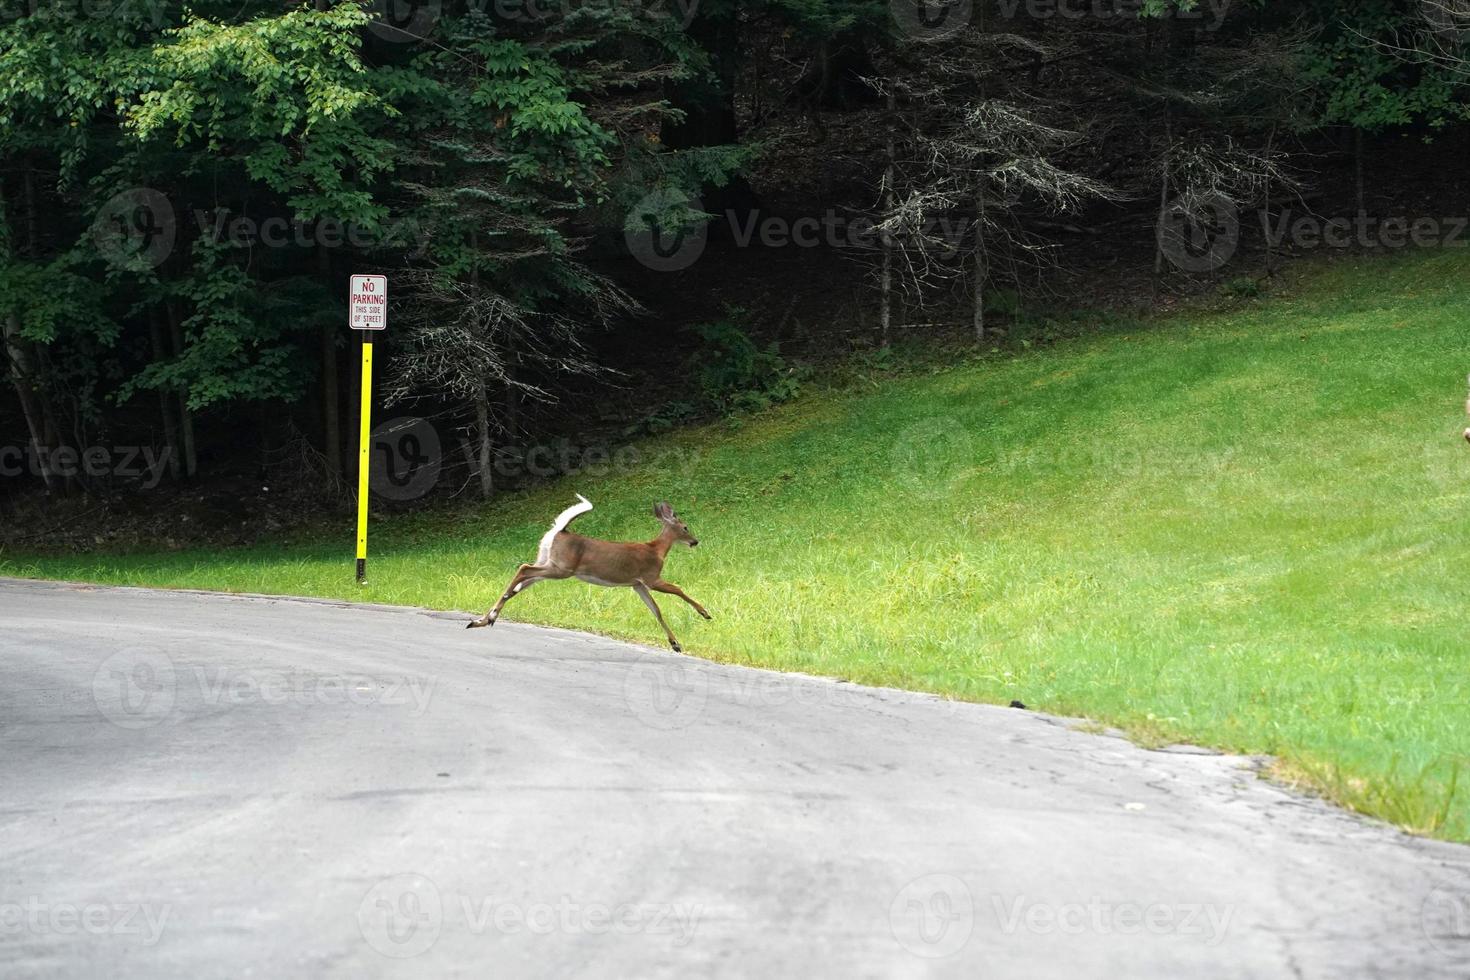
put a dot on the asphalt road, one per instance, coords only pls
(205, 786)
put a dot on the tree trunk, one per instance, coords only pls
(981, 271)
(186, 414)
(1163, 198)
(482, 435)
(50, 426)
(170, 424)
(331, 401)
(22, 378)
(331, 393)
(709, 113)
(23, 367)
(33, 234)
(1270, 143)
(482, 397)
(885, 279)
(1358, 168)
(512, 421)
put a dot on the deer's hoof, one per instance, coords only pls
(705, 614)
(677, 648)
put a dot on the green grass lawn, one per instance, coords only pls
(1248, 529)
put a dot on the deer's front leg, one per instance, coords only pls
(672, 589)
(647, 598)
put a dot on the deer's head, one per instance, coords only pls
(673, 525)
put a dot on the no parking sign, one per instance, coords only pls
(369, 302)
(367, 298)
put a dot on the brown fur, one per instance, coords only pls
(637, 565)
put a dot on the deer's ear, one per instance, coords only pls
(662, 510)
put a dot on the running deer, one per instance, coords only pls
(636, 565)
(1467, 412)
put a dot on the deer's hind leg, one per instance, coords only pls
(525, 577)
(647, 598)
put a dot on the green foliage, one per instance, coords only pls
(1006, 302)
(1363, 77)
(735, 374)
(287, 96)
(479, 142)
(665, 418)
(237, 338)
(1243, 287)
(56, 305)
(63, 73)
(54, 301)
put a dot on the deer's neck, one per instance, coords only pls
(662, 544)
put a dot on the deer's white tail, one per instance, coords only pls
(543, 554)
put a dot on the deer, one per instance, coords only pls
(1467, 412)
(635, 565)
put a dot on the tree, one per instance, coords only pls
(977, 155)
(522, 128)
(1384, 63)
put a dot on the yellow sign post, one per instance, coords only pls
(368, 301)
(364, 458)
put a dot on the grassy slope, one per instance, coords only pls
(1249, 530)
